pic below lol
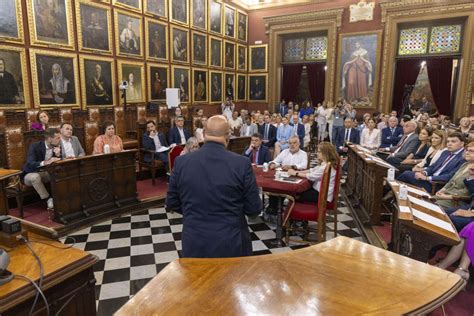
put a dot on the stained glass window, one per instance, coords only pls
(316, 48)
(293, 49)
(445, 39)
(413, 41)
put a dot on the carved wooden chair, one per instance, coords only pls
(3, 120)
(65, 115)
(151, 164)
(141, 114)
(185, 112)
(163, 116)
(31, 117)
(119, 118)
(91, 133)
(94, 114)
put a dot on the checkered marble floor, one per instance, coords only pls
(132, 249)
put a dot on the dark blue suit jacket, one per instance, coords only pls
(149, 144)
(389, 139)
(354, 137)
(272, 134)
(300, 132)
(174, 137)
(36, 154)
(283, 110)
(449, 170)
(263, 155)
(214, 189)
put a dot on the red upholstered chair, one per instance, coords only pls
(173, 154)
(303, 211)
(332, 206)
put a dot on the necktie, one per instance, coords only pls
(392, 131)
(266, 131)
(254, 156)
(346, 138)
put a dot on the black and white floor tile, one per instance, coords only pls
(132, 249)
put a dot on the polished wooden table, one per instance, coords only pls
(68, 275)
(5, 175)
(342, 276)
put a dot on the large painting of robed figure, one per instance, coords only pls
(358, 68)
(12, 71)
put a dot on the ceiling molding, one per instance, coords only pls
(271, 4)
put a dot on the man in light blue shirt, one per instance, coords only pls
(284, 132)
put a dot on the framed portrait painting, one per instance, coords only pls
(128, 34)
(241, 57)
(180, 47)
(229, 83)
(199, 48)
(229, 21)
(51, 23)
(199, 16)
(11, 22)
(14, 88)
(134, 74)
(229, 55)
(55, 78)
(215, 52)
(181, 80)
(158, 81)
(241, 87)
(135, 5)
(215, 17)
(158, 8)
(215, 86)
(97, 81)
(156, 34)
(257, 88)
(179, 11)
(358, 68)
(242, 26)
(94, 27)
(258, 58)
(200, 85)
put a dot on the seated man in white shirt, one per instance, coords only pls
(235, 122)
(70, 145)
(155, 141)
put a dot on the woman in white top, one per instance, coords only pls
(370, 137)
(321, 119)
(198, 133)
(307, 130)
(438, 146)
(330, 118)
(326, 153)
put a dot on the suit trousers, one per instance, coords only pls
(459, 221)
(336, 131)
(409, 177)
(163, 157)
(37, 181)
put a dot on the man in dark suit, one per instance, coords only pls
(257, 153)
(214, 189)
(8, 87)
(154, 141)
(298, 129)
(178, 133)
(282, 108)
(407, 145)
(350, 135)
(426, 106)
(42, 153)
(443, 169)
(392, 134)
(268, 132)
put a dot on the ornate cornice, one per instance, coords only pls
(274, 4)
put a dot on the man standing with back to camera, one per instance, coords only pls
(214, 189)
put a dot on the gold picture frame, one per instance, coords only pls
(11, 37)
(229, 87)
(157, 91)
(14, 75)
(229, 55)
(138, 9)
(178, 47)
(55, 92)
(214, 86)
(242, 26)
(256, 53)
(125, 46)
(59, 34)
(106, 94)
(199, 53)
(199, 17)
(185, 90)
(85, 42)
(215, 17)
(254, 93)
(156, 14)
(131, 67)
(176, 14)
(215, 47)
(198, 90)
(371, 43)
(241, 61)
(229, 21)
(154, 52)
(241, 93)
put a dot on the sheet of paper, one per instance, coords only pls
(433, 220)
(405, 209)
(425, 204)
(290, 180)
(416, 191)
(163, 149)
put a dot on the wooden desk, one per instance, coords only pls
(340, 276)
(68, 272)
(5, 174)
(238, 144)
(92, 184)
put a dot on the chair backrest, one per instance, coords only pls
(65, 115)
(31, 117)
(91, 133)
(323, 194)
(141, 113)
(94, 114)
(173, 154)
(184, 111)
(119, 118)
(337, 183)
(15, 145)
(3, 119)
(163, 116)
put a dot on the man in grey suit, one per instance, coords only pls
(249, 128)
(70, 145)
(407, 145)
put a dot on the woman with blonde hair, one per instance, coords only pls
(438, 146)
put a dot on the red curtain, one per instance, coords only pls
(440, 74)
(290, 82)
(406, 73)
(316, 80)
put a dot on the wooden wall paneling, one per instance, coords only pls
(65, 115)
(91, 131)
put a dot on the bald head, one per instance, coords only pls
(217, 129)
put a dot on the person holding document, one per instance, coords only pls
(155, 141)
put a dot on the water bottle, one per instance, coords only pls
(391, 174)
(403, 194)
(277, 175)
(265, 167)
(106, 149)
